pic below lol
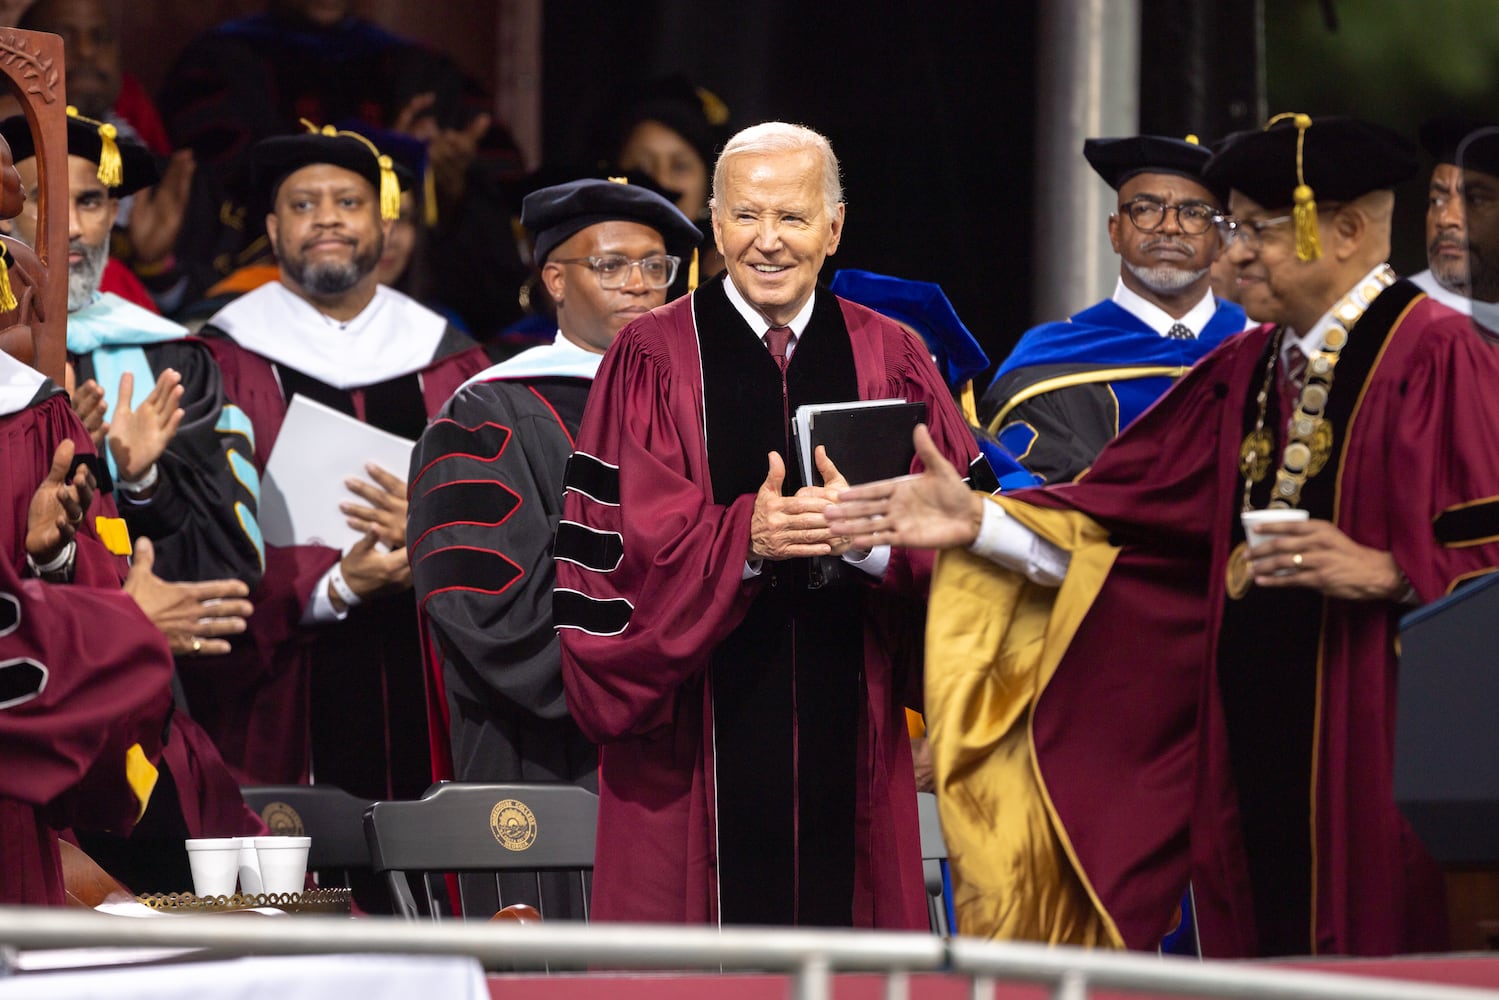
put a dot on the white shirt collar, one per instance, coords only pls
(1311, 341)
(1160, 320)
(759, 323)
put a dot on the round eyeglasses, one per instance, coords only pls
(1248, 233)
(613, 269)
(1192, 217)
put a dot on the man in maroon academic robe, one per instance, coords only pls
(1266, 777)
(106, 688)
(754, 763)
(329, 675)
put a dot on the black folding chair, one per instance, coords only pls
(507, 843)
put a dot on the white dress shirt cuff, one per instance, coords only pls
(1007, 542)
(872, 561)
(319, 609)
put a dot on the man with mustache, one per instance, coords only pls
(338, 637)
(1462, 202)
(1069, 387)
(176, 448)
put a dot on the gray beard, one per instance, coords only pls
(84, 277)
(328, 279)
(1165, 280)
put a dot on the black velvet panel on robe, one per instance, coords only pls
(1268, 666)
(788, 682)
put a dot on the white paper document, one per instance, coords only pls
(317, 449)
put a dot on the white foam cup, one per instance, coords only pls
(1252, 519)
(215, 865)
(283, 863)
(249, 867)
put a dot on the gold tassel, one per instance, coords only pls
(1304, 212)
(111, 170)
(429, 197)
(692, 272)
(390, 190)
(7, 297)
(1308, 244)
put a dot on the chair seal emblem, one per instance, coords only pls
(513, 824)
(282, 819)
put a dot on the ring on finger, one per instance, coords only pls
(197, 645)
(1296, 560)
(76, 518)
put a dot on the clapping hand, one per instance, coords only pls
(139, 436)
(57, 506)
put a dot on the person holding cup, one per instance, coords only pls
(1186, 706)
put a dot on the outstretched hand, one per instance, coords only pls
(193, 616)
(933, 510)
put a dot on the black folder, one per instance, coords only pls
(1447, 724)
(867, 443)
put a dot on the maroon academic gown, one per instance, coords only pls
(651, 602)
(208, 795)
(1160, 770)
(83, 676)
(258, 701)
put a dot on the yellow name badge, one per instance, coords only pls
(113, 533)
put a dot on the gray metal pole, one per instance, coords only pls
(1088, 84)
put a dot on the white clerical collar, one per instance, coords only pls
(1160, 320)
(392, 336)
(1311, 341)
(561, 358)
(759, 323)
(18, 384)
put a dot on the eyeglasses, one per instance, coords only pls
(1250, 233)
(613, 269)
(1192, 217)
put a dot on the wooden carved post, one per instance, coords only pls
(32, 63)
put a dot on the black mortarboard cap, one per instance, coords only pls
(1441, 137)
(554, 214)
(1340, 159)
(1117, 160)
(273, 160)
(125, 166)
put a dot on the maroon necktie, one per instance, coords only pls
(778, 338)
(1292, 376)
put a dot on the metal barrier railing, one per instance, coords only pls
(810, 956)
